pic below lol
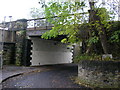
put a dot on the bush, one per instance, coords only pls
(87, 57)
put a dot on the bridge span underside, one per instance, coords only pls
(45, 52)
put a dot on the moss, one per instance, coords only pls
(20, 38)
(18, 54)
(95, 84)
(93, 57)
(8, 54)
(86, 57)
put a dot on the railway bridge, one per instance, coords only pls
(37, 51)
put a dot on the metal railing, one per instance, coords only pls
(23, 24)
(39, 24)
(27, 24)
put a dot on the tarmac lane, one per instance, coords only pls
(59, 76)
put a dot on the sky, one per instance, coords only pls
(18, 9)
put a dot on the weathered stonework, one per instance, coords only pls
(20, 37)
(23, 46)
(104, 74)
(8, 54)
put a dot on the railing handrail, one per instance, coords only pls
(43, 18)
(54, 16)
(29, 20)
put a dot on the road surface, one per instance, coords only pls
(55, 76)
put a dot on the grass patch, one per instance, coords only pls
(78, 58)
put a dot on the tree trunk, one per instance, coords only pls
(92, 19)
(103, 40)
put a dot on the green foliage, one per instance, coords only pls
(102, 20)
(103, 14)
(18, 54)
(71, 20)
(92, 40)
(115, 37)
(114, 32)
(87, 57)
(64, 40)
(18, 63)
(7, 57)
(8, 54)
(65, 23)
(20, 37)
(1, 52)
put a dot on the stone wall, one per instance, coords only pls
(23, 46)
(9, 53)
(104, 74)
(9, 36)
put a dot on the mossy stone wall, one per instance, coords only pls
(103, 74)
(9, 53)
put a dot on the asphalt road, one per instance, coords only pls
(58, 76)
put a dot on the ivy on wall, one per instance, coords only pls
(8, 54)
(20, 37)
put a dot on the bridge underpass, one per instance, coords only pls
(49, 52)
(45, 52)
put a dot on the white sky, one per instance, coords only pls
(18, 9)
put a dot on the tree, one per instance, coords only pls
(70, 18)
(99, 18)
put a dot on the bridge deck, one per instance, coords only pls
(41, 28)
(38, 31)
